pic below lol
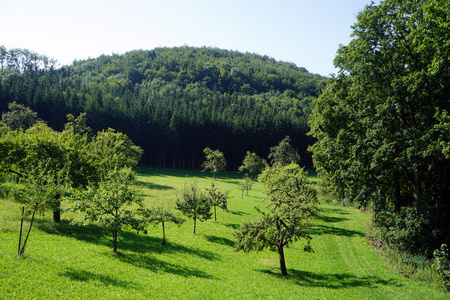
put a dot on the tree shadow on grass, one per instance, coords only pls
(329, 219)
(84, 276)
(233, 225)
(332, 280)
(128, 241)
(239, 213)
(153, 186)
(322, 229)
(334, 210)
(153, 264)
(145, 244)
(219, 240)
(90, 233)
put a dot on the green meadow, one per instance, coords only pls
(66, 261)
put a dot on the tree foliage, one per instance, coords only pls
(39, 190)
(216, 198)
(253, 164)
(160, 215)
(382, 122)
(215, 161)
(194, 204)
(292, 203)
(172, 102)
(111, 202)
(283, 154)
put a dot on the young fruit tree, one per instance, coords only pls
(110, 203)
(217, 198)
(38, 191)
(253, 164)
(292, 203)
(194, 204)
(160, 215)
(215, 161)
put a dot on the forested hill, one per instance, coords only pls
(173, 102)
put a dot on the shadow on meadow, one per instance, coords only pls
(219, 240)
(90, 233)
(332, 280)
(153, 186)
(84, 276)
(128, 241)
(323, 229)
(148, 262)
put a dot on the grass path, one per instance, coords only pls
(64, 261)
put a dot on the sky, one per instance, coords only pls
(304, 32)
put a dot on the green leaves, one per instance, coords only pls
(380, 125)
(215, 161)
(194, 204)
(292, 203)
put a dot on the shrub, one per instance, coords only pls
(442, 264)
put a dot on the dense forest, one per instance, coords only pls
(172, 102)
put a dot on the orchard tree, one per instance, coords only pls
(216, 198)
(111, 202)
(292, 203)
(39, 190)
(283, 154)
(160, 215)
(215, 161)
(245, 185)
(382, 124)
(253, 164)
(194, 204)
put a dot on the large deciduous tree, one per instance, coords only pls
(292, 203)
(382, 124)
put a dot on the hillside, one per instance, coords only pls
(173, 102)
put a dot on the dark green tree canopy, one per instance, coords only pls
(381, 123)
(172, 102)
(283, 154)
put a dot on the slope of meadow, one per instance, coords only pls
(65, 261)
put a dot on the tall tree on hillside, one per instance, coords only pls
(215, 161)
(292, 203)
(382, 124)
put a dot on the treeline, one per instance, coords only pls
(172, 102)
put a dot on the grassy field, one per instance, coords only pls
(64, 261)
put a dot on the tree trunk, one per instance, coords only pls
(114, 240)
(195, 219)
(57, 210)
(215, 217)
(21, 229)
(282, 261)
(164, 234)
(28, 234)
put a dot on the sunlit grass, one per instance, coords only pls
(65, 261)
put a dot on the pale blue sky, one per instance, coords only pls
(304, 32)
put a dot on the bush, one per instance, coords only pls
(407, 231)
(442, 264)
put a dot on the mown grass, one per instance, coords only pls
(64, 261)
